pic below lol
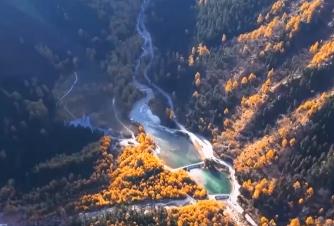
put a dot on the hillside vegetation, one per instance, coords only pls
(264, 93)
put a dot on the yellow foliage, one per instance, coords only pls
(244, 80)
(249, 107)
(278, 47)
(292, 142)
(248, 185)
(227, 123)
(235, 84)
(191, 60)
(329, 222)
(265, 88)
(308, 9)
(268, 47)
(277, 6)
(255, 155)
(296, 185)
(105, 143)
(290, 22)
(206, 212)
(284, 143)
(140, 176)
(272, 222)
(257, 188)
(309, 220)
(264, 31)
(293, 25)
(322, 55)
(314, 48)
(252, 155)
(226, 111)
(306, 13)
(294, 222)
(251, 77)
(228, 86)
(270, 154)
(264, 220)
(310, 107)
(283, 132)
(301, 201)
(202, 50)
(309, 192)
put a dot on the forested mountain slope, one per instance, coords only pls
(255, 76)
(46, 163)
(263, 89)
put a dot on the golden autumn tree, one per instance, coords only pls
(321, 55)
(206, 212)
(294, 222)
(309, 220)
(191, 60)
(140, 176)
(202, 50)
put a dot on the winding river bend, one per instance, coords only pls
(177, 148)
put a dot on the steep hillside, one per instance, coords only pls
(254, 76)
(262, 87)
(46, 163)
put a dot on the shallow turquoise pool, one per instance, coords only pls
(214, 181)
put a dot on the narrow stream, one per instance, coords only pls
(177, 147)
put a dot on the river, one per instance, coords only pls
(178, 147)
